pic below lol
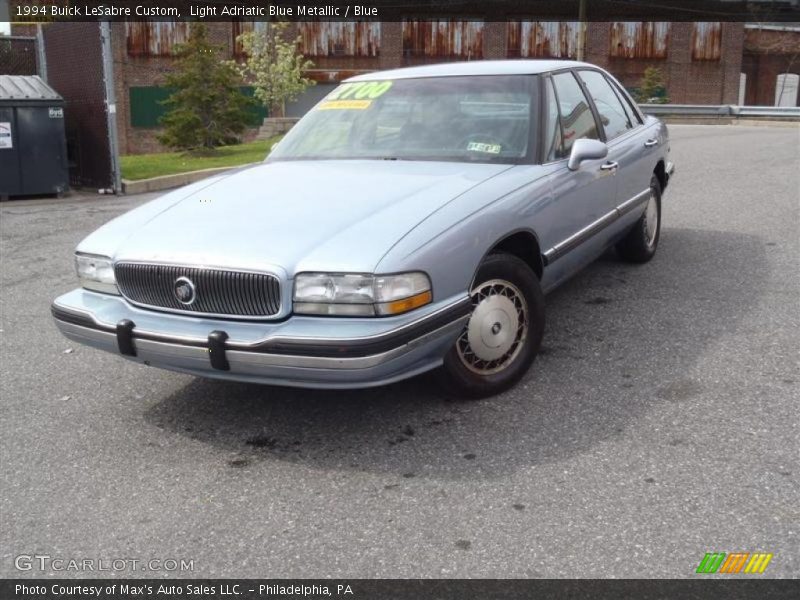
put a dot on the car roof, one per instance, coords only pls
(475, 67)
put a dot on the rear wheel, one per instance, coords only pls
(504, 331)
(640, 244)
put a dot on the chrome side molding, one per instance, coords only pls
(577, 238)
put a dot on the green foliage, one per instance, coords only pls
(207, 108)
(274, 66)
(651, 88)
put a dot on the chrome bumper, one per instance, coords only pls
(400, 350)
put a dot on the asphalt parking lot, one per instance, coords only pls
(660, 422)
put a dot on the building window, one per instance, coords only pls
(460, 40)
(707, 41)
(547, 39)
(154, 38)
(639, 39)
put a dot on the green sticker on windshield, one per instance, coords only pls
(360, 90)
(485, 148)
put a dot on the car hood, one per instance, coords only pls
(292, 216)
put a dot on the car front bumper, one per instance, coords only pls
(299, 351)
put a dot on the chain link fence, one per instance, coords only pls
(18, 55)
(75, 70)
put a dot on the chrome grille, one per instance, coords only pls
(217, 292)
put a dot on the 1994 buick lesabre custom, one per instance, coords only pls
(412, 220)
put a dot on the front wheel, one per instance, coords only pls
(503, 334)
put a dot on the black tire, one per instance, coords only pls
(637, 246)
(462, 381)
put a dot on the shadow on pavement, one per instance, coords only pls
(621, 340)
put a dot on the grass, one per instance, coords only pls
(143, 166)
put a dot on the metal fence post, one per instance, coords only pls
(111, 103)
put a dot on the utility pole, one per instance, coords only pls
(582, 29)
(41, 57)
(111, 105)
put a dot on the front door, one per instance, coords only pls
(629, 147)
(585, 198)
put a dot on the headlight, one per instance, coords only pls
(96, 273)
(360, 295)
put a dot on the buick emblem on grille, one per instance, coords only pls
(184, 290)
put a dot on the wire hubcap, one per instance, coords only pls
(496, 330)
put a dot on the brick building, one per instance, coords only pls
(771, 64)
(700, 62)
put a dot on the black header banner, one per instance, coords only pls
(398, 10)
(701, 588)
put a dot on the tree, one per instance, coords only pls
(207, 108)
(651, 88)
(274, 65)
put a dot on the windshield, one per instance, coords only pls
(483, 119)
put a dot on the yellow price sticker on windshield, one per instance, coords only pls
(344, 105)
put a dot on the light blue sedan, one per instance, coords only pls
(413, 220)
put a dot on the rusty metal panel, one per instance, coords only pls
(639, 39)
(338, 38)
(443, 39)
(154, 38)
(547, 39)
(707, 41)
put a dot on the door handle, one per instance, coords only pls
(650, 143)
(609, 166)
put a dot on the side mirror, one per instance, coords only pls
(584, 149)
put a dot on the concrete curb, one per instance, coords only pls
(165, 182)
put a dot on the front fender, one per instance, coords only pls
(450, 244)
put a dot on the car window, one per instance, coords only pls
(633, 115)
(577, 119)
(632, 118)
(553, 149)
(612, 113)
